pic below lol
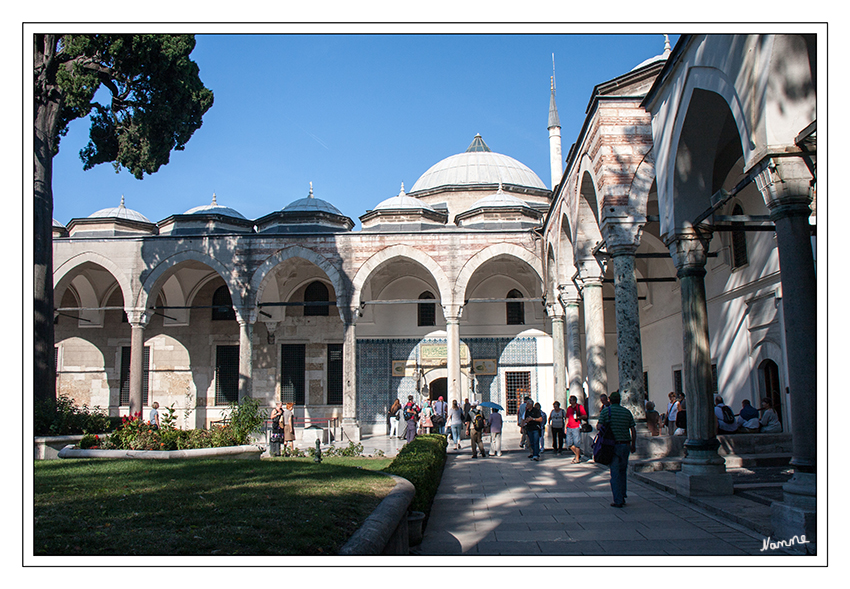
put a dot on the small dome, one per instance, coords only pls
(311, 204)
(499, 199)
(58, 224)
(119, 212)
(402, 201)
(662, 57)
(214, 208)
(477, 165)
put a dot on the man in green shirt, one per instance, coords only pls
(622, 424)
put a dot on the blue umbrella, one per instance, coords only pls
(491, 405)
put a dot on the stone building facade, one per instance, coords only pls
(650, 264)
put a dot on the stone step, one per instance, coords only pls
(651, 447)
(732, 461)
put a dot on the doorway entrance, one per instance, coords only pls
(770, 377)
(438, 388)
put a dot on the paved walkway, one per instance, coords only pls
(510, 505)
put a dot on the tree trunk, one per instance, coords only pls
(47, 107)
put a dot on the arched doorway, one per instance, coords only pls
(438, 388)
(770, 385)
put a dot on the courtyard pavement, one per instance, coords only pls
(511, 505)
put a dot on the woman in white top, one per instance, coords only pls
(672, 410)
(769, 420)
(455, 423)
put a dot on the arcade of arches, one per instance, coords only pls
(650, 264)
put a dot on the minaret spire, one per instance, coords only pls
(555, 162)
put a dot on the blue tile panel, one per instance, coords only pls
(377, 388)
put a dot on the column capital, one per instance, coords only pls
(554, 308)
(349, 315)
(452, 312)
(138, 317)
(784, 182)
(569, 294)
(590, 271)
(689, 250)
(622, 234)
(246, 315)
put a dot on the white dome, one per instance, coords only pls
(402, 201)
(499, 199)
(119, 212)
(216, 209)
(477, 165)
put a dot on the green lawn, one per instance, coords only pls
(203, 507)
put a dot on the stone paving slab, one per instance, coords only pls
(512, 506)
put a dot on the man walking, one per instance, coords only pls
(575, 413)
(532, 423)
(622, 424)
(476, 431)
(441, 410)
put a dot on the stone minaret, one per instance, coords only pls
(555, 161)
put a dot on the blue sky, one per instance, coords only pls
(356, 115)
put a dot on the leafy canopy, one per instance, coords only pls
(156, 97)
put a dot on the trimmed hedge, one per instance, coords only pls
(421, 462)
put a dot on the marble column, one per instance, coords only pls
(629, 354)
(594, 329)
(138, 319)
(703, 469)
(785, 186)
(452, 314)
(246, 356)
(556, 314)
(349, 369)
(571, 301)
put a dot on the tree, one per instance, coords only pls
(157, 101)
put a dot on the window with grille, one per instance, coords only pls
(427, 312)
(515, 311)
(739, 240)
(677, 382)
(124, 396)
(334, 374)
(517, 387)
(222, 309)
(292, 373)
(226, 374)
(316, 292)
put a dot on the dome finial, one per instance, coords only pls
(402, 190)
(122, 201)
(214, 203)
(311, 191)
(666, 44)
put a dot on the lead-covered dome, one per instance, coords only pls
(119, 212)
(214, 209)
(478, 165)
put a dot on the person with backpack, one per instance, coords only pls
(725, 417)
(476, 431)
(411, 416)
(532, 422)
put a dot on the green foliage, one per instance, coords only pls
(134, 433)
(421, 462)
(61, 417)
(156, 97)
(245, 418)
(351, 450)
